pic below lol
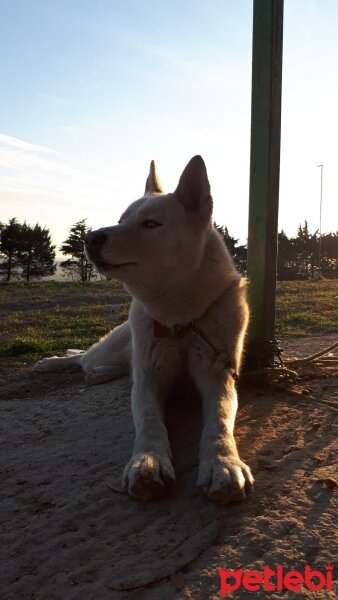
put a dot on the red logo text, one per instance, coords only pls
(277, 579)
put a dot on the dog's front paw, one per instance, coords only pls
(224, 479)
(147, 475)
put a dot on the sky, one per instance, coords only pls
(91, 92)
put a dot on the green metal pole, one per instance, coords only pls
(264, 176)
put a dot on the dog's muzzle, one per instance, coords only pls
(93, 241)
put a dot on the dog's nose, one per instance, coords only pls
(94, 240)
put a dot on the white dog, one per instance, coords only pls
(188, 314)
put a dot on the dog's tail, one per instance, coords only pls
(74, 352)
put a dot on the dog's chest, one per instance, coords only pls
(190, 353)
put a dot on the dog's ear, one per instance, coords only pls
(153, 185)
(193, 188)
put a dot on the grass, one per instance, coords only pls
(306, 307)
(46, 318)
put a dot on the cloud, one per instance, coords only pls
(26, 185)
(34, 163)
(9, 141)
(32, 170)
(19, 154)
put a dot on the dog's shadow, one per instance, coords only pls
(183, 417)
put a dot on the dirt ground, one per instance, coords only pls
(68, 535)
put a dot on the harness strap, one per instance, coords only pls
(179, 331)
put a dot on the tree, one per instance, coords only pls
(35, 255)
(329, 260)
(306, 246)
(238, 253)
(287, 266)
(74, 246)
(10, 240)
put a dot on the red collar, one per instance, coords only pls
(178, 331)
(160, 331)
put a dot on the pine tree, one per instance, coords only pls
(74, 246)
(287, 258)
(10, 240)
(238, 253)
(329, 262)
(306, 245)
(36, 254)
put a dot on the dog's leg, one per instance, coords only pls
(150, 468)
(104, 374)
(59, 363)
(222, 475)
(110, 357)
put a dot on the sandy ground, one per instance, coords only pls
(66, 534)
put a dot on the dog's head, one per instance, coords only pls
(159, 233)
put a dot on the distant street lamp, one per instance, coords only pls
(320, 219)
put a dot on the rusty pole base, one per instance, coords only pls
(261, 355)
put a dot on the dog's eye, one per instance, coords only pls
(151, 224)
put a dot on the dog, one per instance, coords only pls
(188, 314)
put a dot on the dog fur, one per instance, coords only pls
(178, 270)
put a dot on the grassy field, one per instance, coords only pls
(306, 307)
(45, 318)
